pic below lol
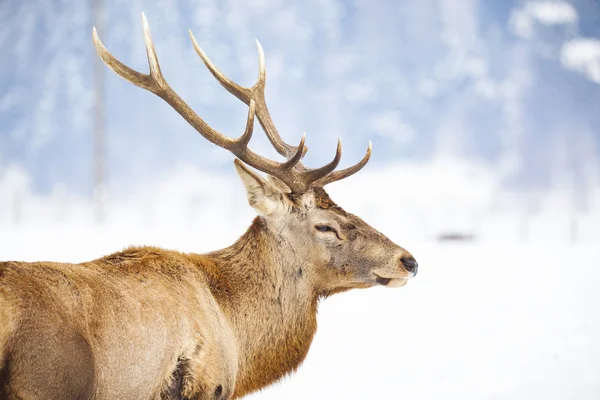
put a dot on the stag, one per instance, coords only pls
(148, 323)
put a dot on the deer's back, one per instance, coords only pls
(114, 327)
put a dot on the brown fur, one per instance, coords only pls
(150, 323)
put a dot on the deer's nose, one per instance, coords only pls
(410, 264)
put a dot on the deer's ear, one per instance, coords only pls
(263, 196)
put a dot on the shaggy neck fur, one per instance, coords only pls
(254, 274)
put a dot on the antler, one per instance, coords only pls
(291, 172)
(256, 92)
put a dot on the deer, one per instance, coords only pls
(150, 323)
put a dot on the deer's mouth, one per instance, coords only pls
(390, 282)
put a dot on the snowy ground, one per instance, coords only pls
(514, 314)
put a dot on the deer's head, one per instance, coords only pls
(339, 250)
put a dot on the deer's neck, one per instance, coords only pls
(270, 302)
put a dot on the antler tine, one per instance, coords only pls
(142, 80)
(295, 159)
(313, 175)
(155, 71)
(346, 172)
(256, 92)
(241, 144)
(263, 114)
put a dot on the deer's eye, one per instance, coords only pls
(325, 228)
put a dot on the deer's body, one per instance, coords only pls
(133, 324)
(147, 323)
